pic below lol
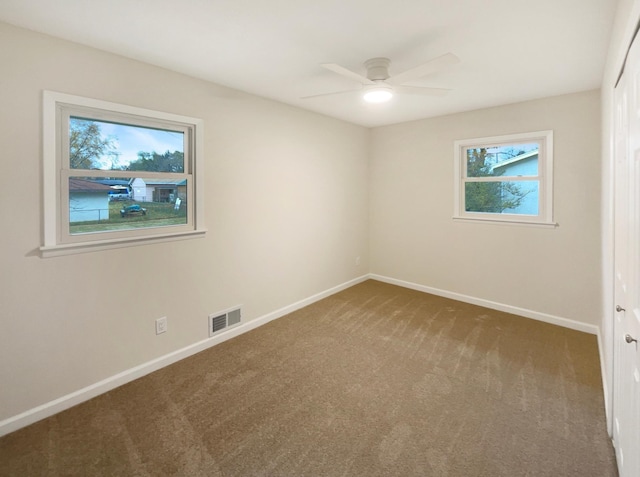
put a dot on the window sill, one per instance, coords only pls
(58, 250)
(548, 225)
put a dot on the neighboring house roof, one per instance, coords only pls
(160, 182)
(512, 160)
(83, 185)
(113, 182)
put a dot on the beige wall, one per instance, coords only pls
(286, 207)
(413, 237)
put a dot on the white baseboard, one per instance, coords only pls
(536, 315)
(65, 402)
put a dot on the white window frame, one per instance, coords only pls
(57, 107)
(544, 178)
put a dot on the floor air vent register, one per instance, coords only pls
(223, 320)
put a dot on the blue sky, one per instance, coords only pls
(129, 140)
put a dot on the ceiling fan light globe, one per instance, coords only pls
(378, 95)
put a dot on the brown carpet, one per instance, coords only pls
(374, 381)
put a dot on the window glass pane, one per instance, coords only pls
(105, 205)
(503, 160)
(108, 146)
(503, 197)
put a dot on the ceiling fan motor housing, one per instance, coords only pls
(377, 68)
(379, 86)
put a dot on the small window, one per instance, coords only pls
(116, 175)
(505, 178)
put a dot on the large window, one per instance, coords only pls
(115, 175)
(505, 178)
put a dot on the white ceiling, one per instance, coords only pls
(510, 50)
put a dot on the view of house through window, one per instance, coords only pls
(108, 202)
(505, 178)
(117, 175)
(101, 205)
(502, 196)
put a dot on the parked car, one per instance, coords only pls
(119, 193)
(134, 209)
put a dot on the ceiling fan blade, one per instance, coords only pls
(425, 91)
(347, 73)
(425, 69)
(333, 93)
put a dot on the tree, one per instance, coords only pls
(86, 144)
(154, 162)
(489, 197)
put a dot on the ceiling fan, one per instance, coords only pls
(379, 86)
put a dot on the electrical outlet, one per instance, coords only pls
(161, 325)
(358, 260)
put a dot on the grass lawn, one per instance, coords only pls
(159, 214)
